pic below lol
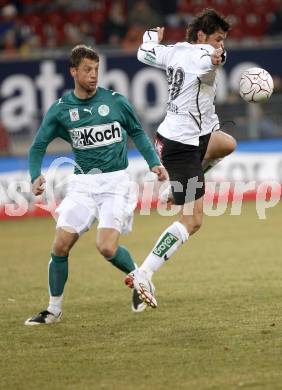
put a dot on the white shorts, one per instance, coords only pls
(108, 197)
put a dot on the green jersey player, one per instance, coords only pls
(96, 122)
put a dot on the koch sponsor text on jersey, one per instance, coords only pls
(96, 136)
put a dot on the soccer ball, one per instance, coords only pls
(256, 85)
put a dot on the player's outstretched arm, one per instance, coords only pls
(35, 158)
(38, 185)
(151, 52)
(48, 130)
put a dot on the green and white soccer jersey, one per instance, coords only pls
(96, 129)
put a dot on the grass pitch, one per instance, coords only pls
(218, 324)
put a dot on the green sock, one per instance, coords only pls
(123, 260)
(58, 274)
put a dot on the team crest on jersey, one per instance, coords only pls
(104, 110)
(74, 115)
(96, 136)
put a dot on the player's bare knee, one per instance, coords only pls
(222, 145)
(61, 247)
(230, 145)
(106, 250)
(63, 242)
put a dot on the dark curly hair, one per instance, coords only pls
(208, 21)
(80, 52)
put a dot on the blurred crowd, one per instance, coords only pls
(28, 26)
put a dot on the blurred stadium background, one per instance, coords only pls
(35, 39)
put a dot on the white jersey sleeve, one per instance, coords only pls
(151, 52)
(202, 59)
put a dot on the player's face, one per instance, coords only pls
(86, 75)
(216, 39)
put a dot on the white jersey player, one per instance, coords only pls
(189, 138)
(191, 77)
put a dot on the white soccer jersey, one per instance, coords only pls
(192, 85)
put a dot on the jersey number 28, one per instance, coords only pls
(175, 79)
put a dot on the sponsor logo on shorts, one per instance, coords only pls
(165, 244)
(96, 136)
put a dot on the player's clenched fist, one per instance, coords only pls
(159, 30)
(38, 185)
(216, 57)
(161, 172)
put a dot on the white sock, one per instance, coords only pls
(210, 163)
(55, 305)
(168, 243)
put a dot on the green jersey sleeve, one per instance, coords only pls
(135, 130)
(49, 130)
